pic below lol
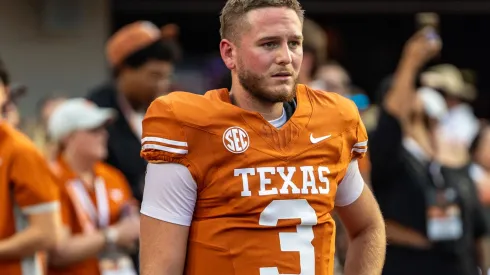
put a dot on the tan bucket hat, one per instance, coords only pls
(448, 79)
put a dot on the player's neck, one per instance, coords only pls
(247, 101)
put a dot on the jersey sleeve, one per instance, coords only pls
(170, 193)
(164, 139)
(351, 186)
(355, 142)
(35, 189)
(359, 140)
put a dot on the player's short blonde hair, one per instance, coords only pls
(234, 10)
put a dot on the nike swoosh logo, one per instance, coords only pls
(316, 140)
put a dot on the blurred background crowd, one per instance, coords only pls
(122, 54)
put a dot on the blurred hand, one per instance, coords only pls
(422, 47)
(128, 230)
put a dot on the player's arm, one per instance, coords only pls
(36, 194)
(162, 247)
(167, 209)
(170, 191)
(360, 214)
(359, 211)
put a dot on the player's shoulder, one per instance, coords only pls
(332, 101)
(187, 108)
(180, 97)
(340, 110)
(167, 105)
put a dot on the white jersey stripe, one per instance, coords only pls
(164, 148)
(361, 144)
(359, 150)
(164, 141)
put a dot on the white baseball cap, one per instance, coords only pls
(434, 104)
(77, 114)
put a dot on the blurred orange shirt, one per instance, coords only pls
(119, 194)
(26, 187)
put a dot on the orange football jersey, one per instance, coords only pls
(27, 187)
(264, 194)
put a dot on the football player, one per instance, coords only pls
(244, 181)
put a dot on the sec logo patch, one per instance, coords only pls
(236, 140)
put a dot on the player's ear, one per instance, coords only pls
(227, 50)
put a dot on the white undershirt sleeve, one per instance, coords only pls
(351, 186)
(170, 193)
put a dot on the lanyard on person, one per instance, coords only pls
(90, 216)
(444, 221)
(436, 174)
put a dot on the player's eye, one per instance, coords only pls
(270, 45)
(294, 44)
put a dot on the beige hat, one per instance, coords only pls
(450, 80)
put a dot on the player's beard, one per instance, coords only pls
(254, 84)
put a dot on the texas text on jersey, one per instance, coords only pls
(262, 196)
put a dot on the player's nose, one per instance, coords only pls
(284, 55)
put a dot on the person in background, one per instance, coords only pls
(142, 64)
(170, 36)
(434, 220)
(12, 115)
(47, 105)
(460, 124)
(480, 168)
(99, 215)
(38, 128)
(480, 173)
(314, 52)
(334, 78)
(29, 199)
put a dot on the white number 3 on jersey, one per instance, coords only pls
(300, 240)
